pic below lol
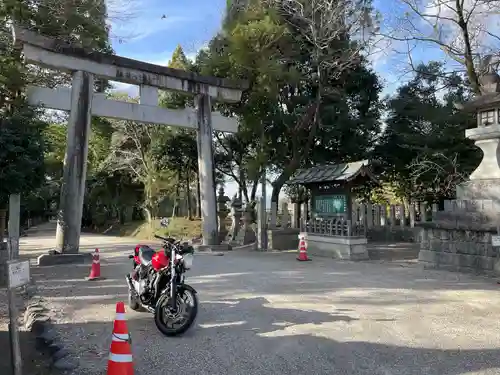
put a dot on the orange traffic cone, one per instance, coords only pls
(302, 249)
(120, 355)
(95, 270)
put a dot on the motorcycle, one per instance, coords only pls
(156, 284)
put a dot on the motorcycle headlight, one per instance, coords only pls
(188, 261)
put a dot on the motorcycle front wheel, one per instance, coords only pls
(174, 323)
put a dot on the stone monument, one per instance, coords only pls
(236, 213)
(459, 237)
(222, 212)
(246, 234)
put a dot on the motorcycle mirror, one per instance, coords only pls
(164, 222)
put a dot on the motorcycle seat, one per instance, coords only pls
(146, 255)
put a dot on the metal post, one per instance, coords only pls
(69, 218)
(13, 243)
(206, 172)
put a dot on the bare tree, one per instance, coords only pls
(436, 174)
(131, 151)
(465, 30)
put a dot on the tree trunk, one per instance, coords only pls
(240, 185)
(148, 213)
(468, 53)
(278, 185)
(311, 115)
(254, 190)
(188, 193)
(198, 197)
(177, 194)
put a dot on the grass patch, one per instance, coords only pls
(181, 228)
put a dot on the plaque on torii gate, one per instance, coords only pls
(82, 102)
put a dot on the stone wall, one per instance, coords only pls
(393, 234)
(459, 249)
(283, 239)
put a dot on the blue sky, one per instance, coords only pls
(140, 31)
(150, 37)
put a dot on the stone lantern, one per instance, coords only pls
(222, 212)
(484, 182)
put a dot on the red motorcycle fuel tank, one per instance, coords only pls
(159, 260)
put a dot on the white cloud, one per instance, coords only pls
(130, 90)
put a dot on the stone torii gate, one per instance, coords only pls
(82, 102)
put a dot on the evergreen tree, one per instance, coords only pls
(82, 21)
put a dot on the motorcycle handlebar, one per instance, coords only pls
(160, 237)
(169, 240)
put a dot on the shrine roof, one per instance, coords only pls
(344, 172)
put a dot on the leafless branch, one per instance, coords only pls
(465, 30)
(322, 22)
(437, 171)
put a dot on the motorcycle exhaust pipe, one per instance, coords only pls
(129, 283)
(148, 308)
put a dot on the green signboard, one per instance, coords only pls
(329, 204)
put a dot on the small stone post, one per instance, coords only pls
(392, 215)
(274, 215)
(304, 211)
(222, 212)
(69, 219)
(262, 225)
(295, 215)
(285, 215)
(383, 215)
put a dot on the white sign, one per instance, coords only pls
(19, 273)
(495, 241)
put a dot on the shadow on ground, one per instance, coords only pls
(34, 363)
(239, 333)
(269, 341)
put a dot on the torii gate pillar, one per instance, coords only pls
(69, 217)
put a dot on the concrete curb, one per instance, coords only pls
(37, 321)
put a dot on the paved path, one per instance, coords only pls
(266, 314)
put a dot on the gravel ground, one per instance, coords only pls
(34, 363)
(266, 314)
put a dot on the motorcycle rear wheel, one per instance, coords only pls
(161, 307)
